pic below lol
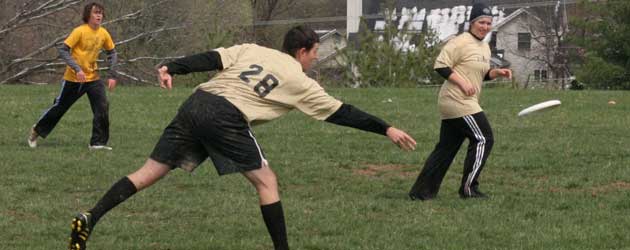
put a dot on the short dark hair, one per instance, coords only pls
(87, 11)
(299, 37)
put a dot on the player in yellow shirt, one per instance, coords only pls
(254, 85)
(80, 51)
(464, 62)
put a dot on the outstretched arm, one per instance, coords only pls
(400, 138)
(207, 61)
(201, 62)
(350, 116)
(165, 79)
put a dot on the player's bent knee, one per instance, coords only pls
(148, 174)
(268, 180)
(266, 184)
(264, 179)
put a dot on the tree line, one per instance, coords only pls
(602, 36)
(148, 33)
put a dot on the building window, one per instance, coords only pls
(540, 75)
(524, 41)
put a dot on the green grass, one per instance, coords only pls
(558, 180)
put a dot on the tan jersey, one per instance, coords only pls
(470, 59)
(264, 84)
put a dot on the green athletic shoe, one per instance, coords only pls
(81, 230)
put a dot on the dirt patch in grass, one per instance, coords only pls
(387, 170)
(612, 187)
(21, 216)
(596, 190)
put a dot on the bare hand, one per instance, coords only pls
(165, 79)
(111, 84)
(507, 73)
(81, 76)
(400, 138)
(467, 88)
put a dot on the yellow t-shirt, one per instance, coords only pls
(470, 59)
(85, 44)
(265, 83)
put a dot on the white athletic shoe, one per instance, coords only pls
(99, 147)
(32, 138)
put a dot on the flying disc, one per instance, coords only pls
(539, 107)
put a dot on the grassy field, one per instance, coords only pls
(558, 180)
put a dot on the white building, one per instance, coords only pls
(513, 40)
(330, 42)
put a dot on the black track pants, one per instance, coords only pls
(70, 93)
(452, 134)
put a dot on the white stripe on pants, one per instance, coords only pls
(479, 152)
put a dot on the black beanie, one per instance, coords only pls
(479, 10)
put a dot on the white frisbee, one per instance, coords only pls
(539, 107)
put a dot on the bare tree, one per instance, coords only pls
(146, 33)
(32, 10)
(264, 11)
(267, 9)
(30, 62)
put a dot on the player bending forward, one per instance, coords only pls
(254, 85)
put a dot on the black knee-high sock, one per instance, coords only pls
(118, 193)
(274, 220)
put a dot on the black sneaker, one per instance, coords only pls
(475, 193)
(418, 197)
(414, 197)
(81, 230)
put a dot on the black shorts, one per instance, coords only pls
(208, 125)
